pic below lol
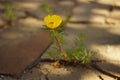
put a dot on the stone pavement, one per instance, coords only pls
(15, 58)
(99, 20)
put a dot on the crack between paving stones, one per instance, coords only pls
(88, 22)
(28, 14)
(95, 71)
(96, 67)
(64, 61)
(92, 66)
(46, 77)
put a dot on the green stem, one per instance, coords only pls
(57, 40)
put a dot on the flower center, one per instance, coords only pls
(51, 23)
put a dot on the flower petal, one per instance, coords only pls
(52, 21)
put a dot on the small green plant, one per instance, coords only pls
(9, 12)
(80, 53)
(54, 24)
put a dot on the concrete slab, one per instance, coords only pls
(92, 13)
(114, 17)
(15, 58)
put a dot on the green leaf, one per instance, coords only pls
(59, 35)
(9, 11)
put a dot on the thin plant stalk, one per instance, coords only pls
(59, 45)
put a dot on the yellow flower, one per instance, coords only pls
(52, 21)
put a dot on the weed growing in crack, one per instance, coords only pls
(54, 24)
(80, 53)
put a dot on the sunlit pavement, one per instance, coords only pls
(97, 19)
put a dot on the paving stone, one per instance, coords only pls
(29, 24)
(30, 7)
(29, 21)
(112, 67)
(35, 9)
(34, 75)
(117, 3)
(19, 14)
(114, 29)
(63, 8)
(38, 13)
(57, 8)
(2, 22)
(84, 1)
(115, 14)
(4, 42)
(70, 73)
(103, 2)
(12, 35)
(114, 17)
(1, 7)
(26, 5)
(7, 78)
(113, 21)
(37, 1)
(17, 57)
(107, 2)
(67, 3)
(93, 13)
